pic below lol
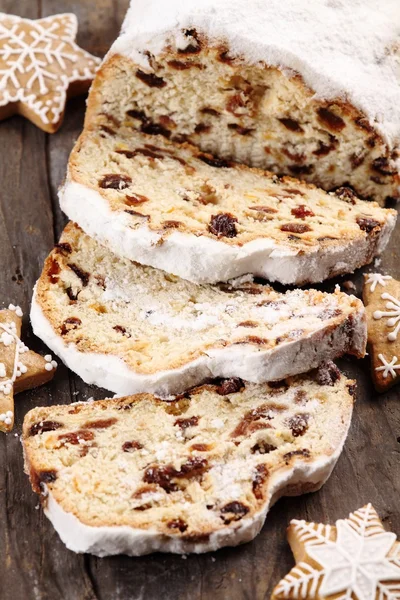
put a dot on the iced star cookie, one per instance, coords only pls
(381, 297)
(354, 559)
(20, 368)
(40, 67)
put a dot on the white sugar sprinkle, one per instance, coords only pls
(217, 423)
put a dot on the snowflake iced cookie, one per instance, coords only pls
(356, 559)
(20, 368)
(381, 297)
(40, 66)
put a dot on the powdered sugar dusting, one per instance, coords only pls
(228, 478)
(342, 49)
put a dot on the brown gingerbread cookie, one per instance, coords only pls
(353, 559)
(40, 66)
(20, 368)
(381, 295)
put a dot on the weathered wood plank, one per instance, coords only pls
(33, 561)
(31, 555)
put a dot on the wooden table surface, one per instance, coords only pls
(34, 564)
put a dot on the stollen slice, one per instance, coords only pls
(136, 475)
(176, 208)
(306, 88)
(131, 328)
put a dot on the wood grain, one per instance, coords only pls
(34, 564)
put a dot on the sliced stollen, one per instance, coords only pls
(131, 328)
(176, 208)
(309, 89)
(136, 475)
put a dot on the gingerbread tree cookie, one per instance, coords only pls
(381, 297)
(356, 559)
(20, 368)
(40, 66)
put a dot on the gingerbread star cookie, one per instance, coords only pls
(356, 559)
(20, 368)
(381, 295)
(40, 66)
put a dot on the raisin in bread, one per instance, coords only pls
(314, 95)
(131, 328)
(137, 475)
(175, 208)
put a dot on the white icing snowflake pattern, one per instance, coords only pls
(377, 279)
(355, 563)
(38, 62)
(392, 314)
(388, 367)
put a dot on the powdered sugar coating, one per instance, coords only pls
(342, 49)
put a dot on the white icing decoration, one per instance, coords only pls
(7, 417)
(354, 565)
(50, 363)
(393, 314)
(388, 367)
(16, 309)
(48, 42)
(377, 279)
(8, 337)
(3, 372)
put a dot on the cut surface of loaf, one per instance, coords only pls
(136, 475)
(131, 328)
(174, 207)
(192, 85)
